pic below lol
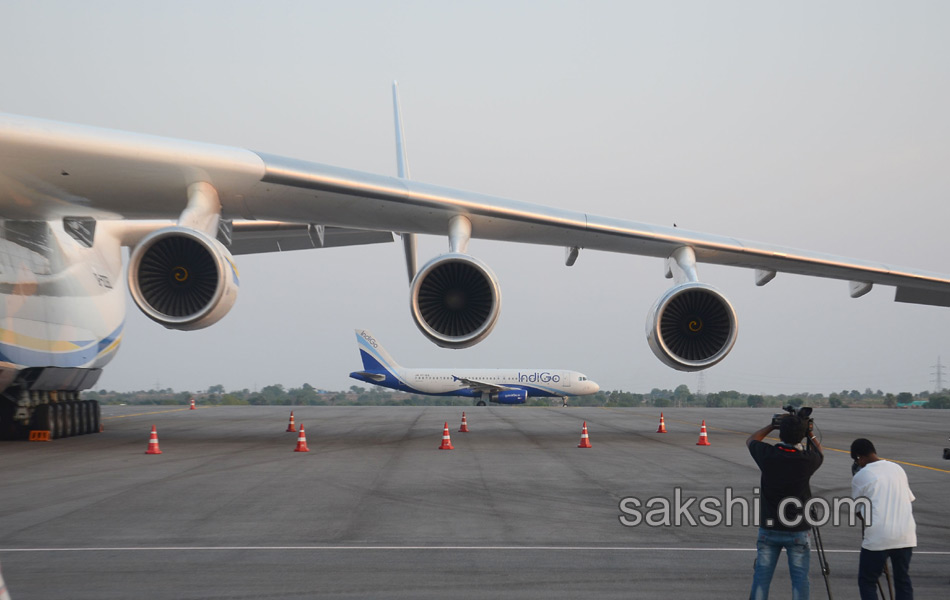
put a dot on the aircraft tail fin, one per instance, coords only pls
(374, 356)
(402, 171)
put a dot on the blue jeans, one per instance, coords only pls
(872, 564)
(769, 545)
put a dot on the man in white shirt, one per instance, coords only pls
(890, 530)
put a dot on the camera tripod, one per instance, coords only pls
(822, 559)
(819, 545)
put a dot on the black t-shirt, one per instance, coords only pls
(785, 473)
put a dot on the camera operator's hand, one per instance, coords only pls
(813, 438)
(759, 435)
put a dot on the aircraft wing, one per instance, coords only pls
(480, 386)
(52, 170)
(503, 219)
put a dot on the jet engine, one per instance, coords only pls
(691, 327)
(510, 397)
(182, 278)
(455, 300)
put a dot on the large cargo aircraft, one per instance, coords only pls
(503, 386)
(72, 197)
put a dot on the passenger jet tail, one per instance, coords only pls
(379, 368)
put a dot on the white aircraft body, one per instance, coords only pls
(71, 197)
(504, 386)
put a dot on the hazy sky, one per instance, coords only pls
(815, 125)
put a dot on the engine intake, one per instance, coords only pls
(455, 300)
(692, 327)
(182, 278)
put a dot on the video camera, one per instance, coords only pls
(800, 412)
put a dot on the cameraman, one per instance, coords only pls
(891, 531)
(786, 469)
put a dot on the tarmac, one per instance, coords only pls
(376, 510)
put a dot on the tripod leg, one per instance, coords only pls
(822, 560)
(890, 583)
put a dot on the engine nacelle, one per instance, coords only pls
(455, 300)
(692, 327)
(510, 397)
(182, 278)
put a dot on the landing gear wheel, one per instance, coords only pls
(69, 419)
(95, 416)
(481, 403)
(59, 413)
(44, 419)
(82, 418)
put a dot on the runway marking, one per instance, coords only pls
(417, 548)
(909, 464)
(154, 412)
(848, 452)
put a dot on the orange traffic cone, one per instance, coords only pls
(153, 443)
(703, 438)
(192, 404)
(464, 427)
(290, 426)
(585, 439)
(662, 427)
(446, 440)
(302, 441)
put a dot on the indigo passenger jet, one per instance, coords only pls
(504, 386)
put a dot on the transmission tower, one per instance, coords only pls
(938, 376)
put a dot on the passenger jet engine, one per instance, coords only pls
(455, 300)
(691, 327)
(511, 397)
(182, 278)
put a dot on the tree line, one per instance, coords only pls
(307, 395)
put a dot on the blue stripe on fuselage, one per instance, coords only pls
(371, 364)
(79, 357)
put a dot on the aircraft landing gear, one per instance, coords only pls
(67, 419)
(65, 416)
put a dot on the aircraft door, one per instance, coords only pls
(566, 378)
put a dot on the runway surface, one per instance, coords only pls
(375, 510)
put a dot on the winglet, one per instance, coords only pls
(402, 171)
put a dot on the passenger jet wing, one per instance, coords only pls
(51, 170)
(480, 386)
